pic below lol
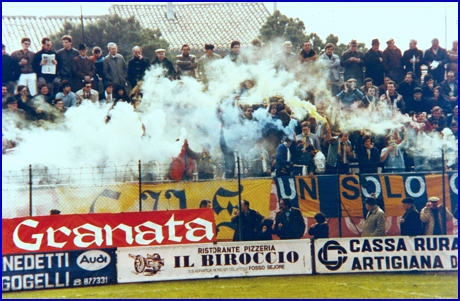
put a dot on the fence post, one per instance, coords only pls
(239, 197)
(340, 203)
(443, 212)
(30, 189)
(140, 186)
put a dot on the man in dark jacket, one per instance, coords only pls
(167, 65)
(289, 222)
(137, 66)
(413, 57)
(40, 60)
(65, 58)
(83, 67)
(251, 223)
(373, 60)
(368, 155)
(435, 58)
(353, 62)
(10, 71)
(406, 89)
(410, 223)
(392, 62)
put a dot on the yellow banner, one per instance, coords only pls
(308, 195)
(169, 196)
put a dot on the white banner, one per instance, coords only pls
(229, 259)
(385, 254)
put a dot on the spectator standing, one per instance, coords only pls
(374, 224)
(412, 61)
(10, 71)
(410, 223)
(284, 158)
(258, 160)
(50, 79)
(392, 62)
(137, 66)
(285, 59)
(332, 67)
(373, 60)
(234, 51)
(166, 64)
(186, 63)
(205, 61)
(25, 58)
(353, 62)
(205, 165)
(289, 222)
(83, 67)
(114, 66)
(65, 59)
(339, 153)
(368, 155)
(98, 61)
(392, 155)
(432, 217)
(251, 221)
(453, 58)
(435, 58)
(307, 54)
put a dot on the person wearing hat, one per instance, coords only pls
(373, 60)
(205, 164)
(48, 78)
(167, 65)
(353, 62)
(411, 58)
(392, 62)
(374, 224)
(258, 160)
(410, 223)
(83, 67)
(205, 61)
(285, 59)
(432, 217)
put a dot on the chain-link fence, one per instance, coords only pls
(137, 186)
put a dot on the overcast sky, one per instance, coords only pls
(360, 21)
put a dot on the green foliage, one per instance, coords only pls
(280, 26)
(126, 33)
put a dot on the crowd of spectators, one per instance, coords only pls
(389, 81)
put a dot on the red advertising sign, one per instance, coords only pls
(107, 230)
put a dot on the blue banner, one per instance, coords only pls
(58, 270)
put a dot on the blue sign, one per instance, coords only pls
(57, 270)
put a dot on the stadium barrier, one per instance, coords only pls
(79, 250)
(228, 259)
(339, 197)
